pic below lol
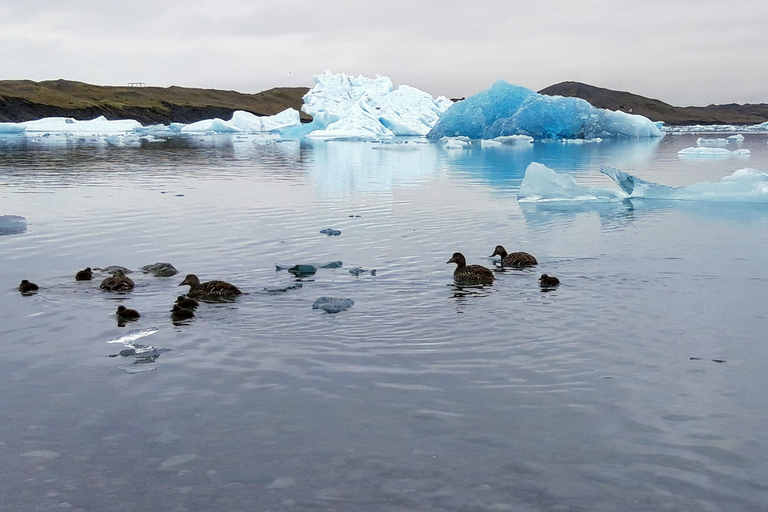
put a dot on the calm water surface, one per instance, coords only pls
(638, 384)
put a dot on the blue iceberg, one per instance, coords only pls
(506, 109)
(542, 184)
(12, 225)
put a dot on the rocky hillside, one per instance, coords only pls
(657, 110)
(25, 100)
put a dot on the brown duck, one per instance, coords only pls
(123, 313)
(27, 287)
(209, 289)
(186, 302)
(514, 259)
(548, 281)
(117, 282)
(84, 275)
(469, 274)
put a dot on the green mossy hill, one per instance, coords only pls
(656, 110)
(25, 100)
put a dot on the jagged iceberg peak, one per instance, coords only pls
(505, 109)
(346, 107)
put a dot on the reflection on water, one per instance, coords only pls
(602, 393)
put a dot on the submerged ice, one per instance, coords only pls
(544, 184)
(505, 109)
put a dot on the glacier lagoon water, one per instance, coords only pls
(638, 384)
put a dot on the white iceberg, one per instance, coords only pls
(543, 184)
(345, 107)
(243, 121)
(12, 128)
(708, 152)
(99, 125)
(506, 109)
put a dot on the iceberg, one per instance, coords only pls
(505, 109)
(544, 184)
(99, 125)
(707, 152)
(345, 107)
(243, 121)
(12, 128)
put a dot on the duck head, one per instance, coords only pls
(458, 259)
(499, 251)
(191, 280)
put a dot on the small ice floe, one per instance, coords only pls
(281, 289)
(306, 269)
(160, 269)
(707, 152)
(12, 225)
(360, 270)
(330, 232)
(113, 268)
(460, 142)
(332, 305)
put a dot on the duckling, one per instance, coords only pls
(180, 313)
(123, 313)
(186, 302)
(548, 281)
(514, 259)
(117, 282)
(84, 275)
(469, 274)
(26, 287)
(209, 289)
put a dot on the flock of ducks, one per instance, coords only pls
(478, 274)
(183, 308)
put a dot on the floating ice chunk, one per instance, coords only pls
(345, 107)
(744, 185)
(211, 125)
(515, 140)
(281, 289)
(129, 337)
(12, 128)
(707, 152)
(248, 122)
(160, 269)
(330, 232)
(719, 141)
(12, 224)
(735, 138)
(541, 183)
(455, 143)
(99, 125)
(506, 109)
(332, 305)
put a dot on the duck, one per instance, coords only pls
(514, 259)
(27, 287)
(209, 289)
(117, 282)
(186, 302)
(180, 313)
(469, 274)
(123, 313)
(547, 281)
(84, 275)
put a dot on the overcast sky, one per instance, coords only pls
(684, 52)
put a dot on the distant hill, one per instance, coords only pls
(25, 100)
(657, 110)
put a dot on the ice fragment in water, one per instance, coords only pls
(332, 305)
(12, 225)
(330, 232)
(160, 269)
